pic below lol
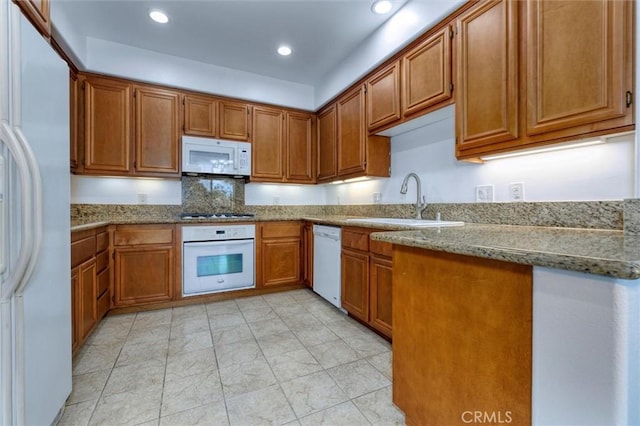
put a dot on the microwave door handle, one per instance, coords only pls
(235, 158)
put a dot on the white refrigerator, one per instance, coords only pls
(35, 328)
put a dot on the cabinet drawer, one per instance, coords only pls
(103, 304)
(381, 248)
(102, 261)
(82, 250)
(146, 235)
(280, 230)
(355, 239)
(102, 241)
(103, 281)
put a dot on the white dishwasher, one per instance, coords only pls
(326, 263)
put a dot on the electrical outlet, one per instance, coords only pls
(516, 191)
(143, 198)
(484, 194)
(377, 198)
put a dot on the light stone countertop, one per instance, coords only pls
(600, 252)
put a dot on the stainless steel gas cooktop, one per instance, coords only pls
(224, 215)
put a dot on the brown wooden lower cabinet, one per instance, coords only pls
(380, 294)
(90, 279)
(355, 283)
(278, 253)
(144, 264)
(462, 338)
(366, 279)
(307, 254)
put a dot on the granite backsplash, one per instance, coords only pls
(201, 195)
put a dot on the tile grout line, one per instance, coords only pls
(215, 355)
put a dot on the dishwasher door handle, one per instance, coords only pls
(331, 237)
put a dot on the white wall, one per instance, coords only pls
(111, 190)
(140, 64)
(274, 194)
(586, 356)
(599, 172)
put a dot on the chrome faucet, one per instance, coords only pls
(420, 206)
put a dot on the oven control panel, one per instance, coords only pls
(218, 232)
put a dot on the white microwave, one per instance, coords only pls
(215, 157)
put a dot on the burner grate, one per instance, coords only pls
(222, 215)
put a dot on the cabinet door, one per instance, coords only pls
(73, 121)
(143, 274)
(355, 283)
(575, 63)
(88, 299)
(383, 97)
(75, 309)
(327, 144)
(38, 12)
(281, 260)
(235, 120)
(487, 83)
(300, 148)
(107, 125)
(380, 316)
(427, 73)
(351, 132)
(200, 116)
(267, 144)
(157, 131)
(307, 254)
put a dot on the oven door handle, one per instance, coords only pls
(219, 243)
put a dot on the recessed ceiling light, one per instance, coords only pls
(284, 50)
(159, 16)
(381, 7)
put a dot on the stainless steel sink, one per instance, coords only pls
(418, 223)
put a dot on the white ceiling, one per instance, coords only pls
(238, 34)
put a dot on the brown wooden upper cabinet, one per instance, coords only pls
(107, 125)
(200, 116)
(301, 147)
(327, 144)
(157, 131)
(487, 64)
(234, 120)
(577, 69)
(112, 145)
(540, 72)
(39, 13)
(73, 121)
(209, 116)
(426, 68)
(358, 153)
(383, 96)
(268, 144)
(282, 146)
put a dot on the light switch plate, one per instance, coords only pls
(485, 194)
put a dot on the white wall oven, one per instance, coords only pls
(217, 258)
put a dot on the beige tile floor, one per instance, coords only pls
(286, 358)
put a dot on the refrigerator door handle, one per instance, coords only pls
(16, 272)
(35, 213)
